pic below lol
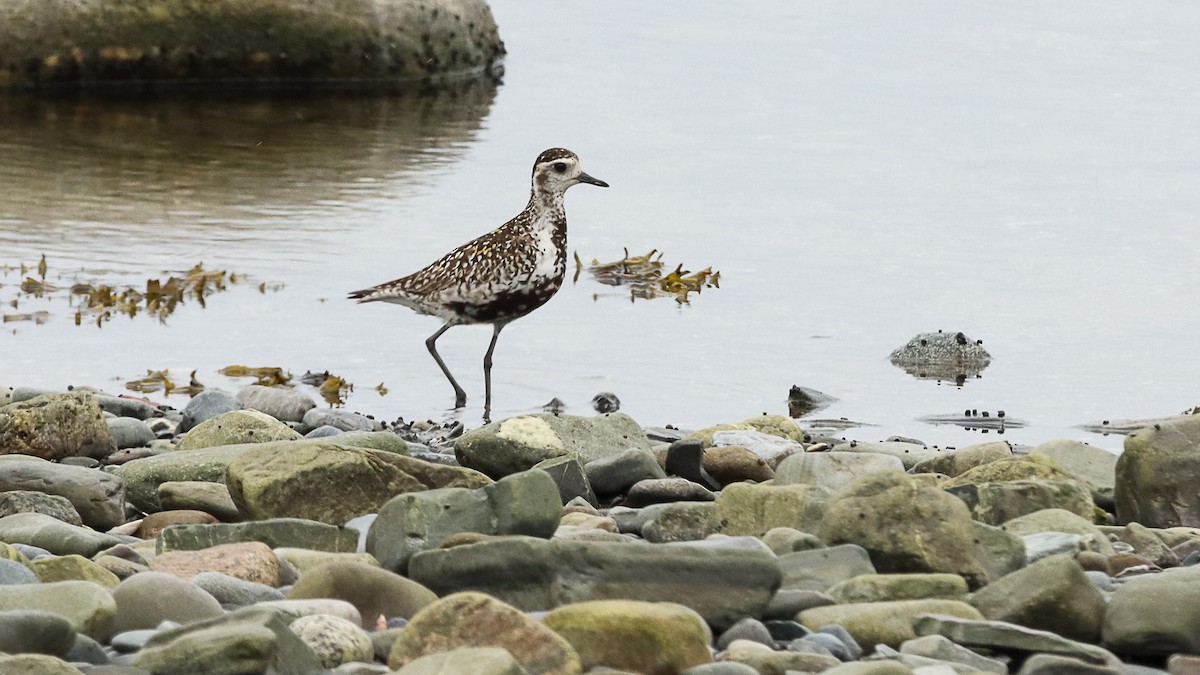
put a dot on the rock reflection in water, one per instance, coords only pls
(195, 168)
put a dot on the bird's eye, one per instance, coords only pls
(560, 167)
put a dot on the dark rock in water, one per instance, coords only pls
(942, 356)
(554, 405)
(802, 401)
(974, 419)
(207, 405)
(685, 458)
(606, 402)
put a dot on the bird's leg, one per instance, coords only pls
(487, 373)
(460, 396)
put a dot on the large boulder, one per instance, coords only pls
(1158, 475)
(1059, 520)
(723, 581)
(962, 460)
(144, 476)
(748, 509)
(325, 482)
(88, 606)
(375, 43)
(98, 497)
(1000, 502)
(906, 526)
(1156, 614)
(54, 426)
(476, 620)
(284, 404)
(518, 443)
(1051, 594)
(525, 503)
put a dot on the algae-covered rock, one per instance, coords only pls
(237, 427)
(996, 503)
(54, 426)
(964, 459)
(1058, 520)
(643, 637)
(747, 509)
(1158, 475)
(887, 587)
(906, 526)
(1026, 467)
(1051, 594)
(888, 623)
(518, 443)
(90, 42)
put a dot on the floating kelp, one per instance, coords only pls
(644, 277)
(36, 317)
(265, 376)
(332, 388)
(98, 302)
(160, 380)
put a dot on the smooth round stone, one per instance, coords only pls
(13, 573)
(145, 600)
(130, 641)
(324, 431)
(233, 591)
(31, 552)
(285, 405)
(207, 405)
(746, 629)
(661, 490)
(87, 650)
(372, 590)
(334, 639)
(85, 462)
(851, 645)
(340, 419)
(129, 432)
(28, 630)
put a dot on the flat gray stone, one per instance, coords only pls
(1008, 636)
(617, 472)
(570, 478)
(823, 568)
(276, 533)
(28, 501)
(233, 591)
(215, 642)
(98, 497)
(57, 537)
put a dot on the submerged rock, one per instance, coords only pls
(942, 356)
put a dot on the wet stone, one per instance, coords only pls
(128, 432)
(207, 405)
(337, 418)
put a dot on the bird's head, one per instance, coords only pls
(557, 169)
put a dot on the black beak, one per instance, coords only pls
(584, 178)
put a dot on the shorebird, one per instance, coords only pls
(500, 276)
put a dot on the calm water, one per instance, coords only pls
(858, 172)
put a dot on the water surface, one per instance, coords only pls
(858, 172)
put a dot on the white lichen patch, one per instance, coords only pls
(530, 431)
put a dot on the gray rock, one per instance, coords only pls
(941, 355)
(721, 668)
(663, 490)
(237, 427)
(53, 535)
(909, 454)
(325, 431)
(1008, 637)
(54, 426)
(1148, 544)
(1156, 477)
(276, 533)
(20, 394)
(98, 497)
(956, 462)
(86, 650)
(1094, 465)
(833, 470)
(1044, 544)
(334, 639)
(923, 663)
(681, 521)
(783, 540)
(284, 404)
(518, 443)
(475, 660)
(746, 629)
(1052, 594)
(233, 591)
(1053, 664)
(127, 642)
(171, 649)
(207, 405)
(212, 498)
(1058, 520)
(28, 501)
(906, 525)
(525, 503)
(887, 587)
(13, 572)
(883, 623)
(723, 584)
(615, 473)
(1156, 614)
(24, 631)
(221, 648)
(822, 569)
(941, 648)
(373, 591)
(786, 604)
(853, 651)
(143, 476)
(999, 502)
(128, 432)
(685, 459)
(570, 478)
(339, 419)
(88, 607)
(145, 600)
(122, 406)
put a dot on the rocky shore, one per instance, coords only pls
(261, 533)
